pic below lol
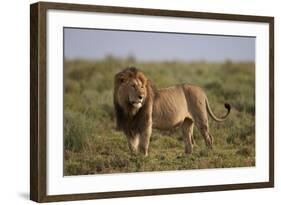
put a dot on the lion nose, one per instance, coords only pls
(140, 97)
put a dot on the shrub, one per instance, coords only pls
(76, 130)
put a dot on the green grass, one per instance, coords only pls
(93, 146)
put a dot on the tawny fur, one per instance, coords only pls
(182, 106)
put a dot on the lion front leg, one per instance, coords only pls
(145, 139)
(133, 142)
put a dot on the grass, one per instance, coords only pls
(93, 146)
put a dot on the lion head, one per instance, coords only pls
(132, 95)
(131, 90)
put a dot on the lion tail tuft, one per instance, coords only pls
(227, 106)
(214, 117)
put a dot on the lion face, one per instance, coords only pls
(131, 90)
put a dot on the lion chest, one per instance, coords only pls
(170, 108)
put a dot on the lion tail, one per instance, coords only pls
(214, 117)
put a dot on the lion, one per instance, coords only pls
(139, 107)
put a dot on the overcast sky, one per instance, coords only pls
(147, 46)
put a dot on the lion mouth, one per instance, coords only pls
(136, 104)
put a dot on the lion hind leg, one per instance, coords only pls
(211, 137)
(187, 131)
(193, 141)
(204, 130)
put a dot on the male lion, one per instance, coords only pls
(139, 107)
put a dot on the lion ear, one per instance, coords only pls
(121, 80)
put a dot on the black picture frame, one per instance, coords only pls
(38, 100)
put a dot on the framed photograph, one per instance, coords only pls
(134, 102)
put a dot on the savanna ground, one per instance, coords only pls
(93, 146)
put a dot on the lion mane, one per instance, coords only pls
(139, 106)
(127, 122)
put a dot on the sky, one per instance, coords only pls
(94, 44)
